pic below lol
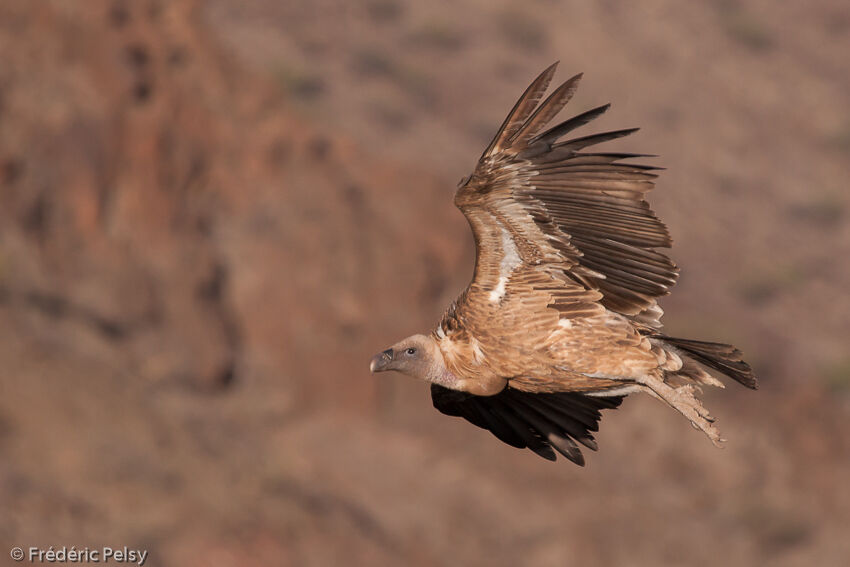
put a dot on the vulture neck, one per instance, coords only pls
(482, 383)
(437, 371)
(439, 374)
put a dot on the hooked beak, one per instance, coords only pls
(381, 360)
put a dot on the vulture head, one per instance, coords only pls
(417, 356)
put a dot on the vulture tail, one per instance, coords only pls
(723, 358)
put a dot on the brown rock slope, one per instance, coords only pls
(212, 213)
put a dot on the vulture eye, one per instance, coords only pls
(411, 351)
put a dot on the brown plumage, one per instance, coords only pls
(561, 318)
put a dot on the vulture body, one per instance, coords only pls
(561, 318)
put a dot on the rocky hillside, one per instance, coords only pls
(213, 214)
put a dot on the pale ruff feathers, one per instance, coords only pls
(510, 261)
(477, 354)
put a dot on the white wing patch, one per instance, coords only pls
(497, 294)
(510, 261)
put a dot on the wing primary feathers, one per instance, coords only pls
(591, 210)
(522, 109)
(601, 158)
(613, 249)
(593, 139)
(621, 231)
(547, 110)
(552, 134)
(613, 201)
(608, 226)
(662, 279)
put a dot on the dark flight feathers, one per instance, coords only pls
(544, 423)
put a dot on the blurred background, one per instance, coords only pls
(213, 213)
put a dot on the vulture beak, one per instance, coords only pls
(381, 360)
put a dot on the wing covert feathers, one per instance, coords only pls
(543, 423)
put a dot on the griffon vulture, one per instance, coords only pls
(561, 318)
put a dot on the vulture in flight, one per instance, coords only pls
(561, 319)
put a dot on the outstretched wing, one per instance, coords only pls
(540, 422)
(543, 209)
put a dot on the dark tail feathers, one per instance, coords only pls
(723, 358)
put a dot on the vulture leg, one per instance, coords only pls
(682, 399)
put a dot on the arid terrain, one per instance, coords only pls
(212, 214)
